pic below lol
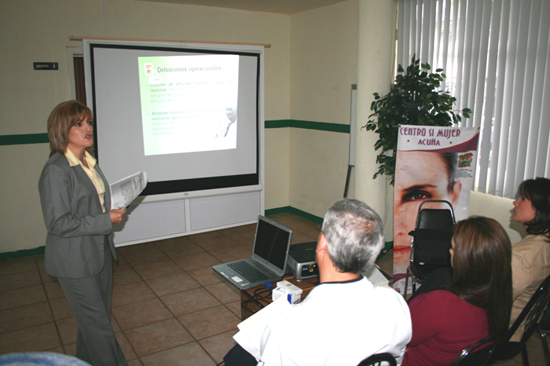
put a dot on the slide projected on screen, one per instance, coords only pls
(190, 117)
(189, 103)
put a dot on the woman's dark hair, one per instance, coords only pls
(482, 272)
(64, 116)
(538, 192)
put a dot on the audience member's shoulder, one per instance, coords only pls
(436, 296)
(387, 292)
(530, 247)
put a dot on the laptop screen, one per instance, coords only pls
(271, 242)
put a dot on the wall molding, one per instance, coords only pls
(32, 138)
(42, 138)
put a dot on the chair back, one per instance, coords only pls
(435, 218)
(378, 358)
(532, 312)
(431, 239)
(477, 354)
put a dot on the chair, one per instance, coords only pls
(431, 241)
(544, 330)
(477, 354)
(378, 358)
(543, 333)
(531, 314)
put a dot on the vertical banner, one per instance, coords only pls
(432, 163)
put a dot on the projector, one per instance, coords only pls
(301, 260)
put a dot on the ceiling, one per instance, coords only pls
(270, 6)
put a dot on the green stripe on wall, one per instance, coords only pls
(22, 253)
(309, 125)
(295, 211)
(42, 138)
(32, 138)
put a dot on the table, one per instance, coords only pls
(256, 298)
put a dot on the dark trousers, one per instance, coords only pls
(238, 356)
(90, 302)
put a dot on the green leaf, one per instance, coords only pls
(415, 99)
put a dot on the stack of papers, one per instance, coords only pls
(125, 190)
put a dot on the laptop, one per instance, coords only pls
(268, 261)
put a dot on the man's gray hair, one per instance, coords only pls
(355, 235)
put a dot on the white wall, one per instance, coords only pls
(40, 30)
(323, 68)
(498, 208)
(314, 59)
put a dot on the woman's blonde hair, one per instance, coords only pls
(64, 116)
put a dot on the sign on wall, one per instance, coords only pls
(432, 163)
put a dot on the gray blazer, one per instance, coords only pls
(77, 226)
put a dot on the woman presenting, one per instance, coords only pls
(75, 202)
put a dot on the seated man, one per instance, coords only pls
(345, 319)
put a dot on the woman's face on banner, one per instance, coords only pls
(419, 176)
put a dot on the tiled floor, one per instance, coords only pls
(169, 308)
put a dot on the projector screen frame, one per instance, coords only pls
(197, 186)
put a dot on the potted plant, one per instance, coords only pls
(414, 99)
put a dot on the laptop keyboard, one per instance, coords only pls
(251, 273)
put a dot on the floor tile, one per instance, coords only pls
(53, 290)
(205, 276)
(25, 317)
(218, 242)
(121, 264)
(141, 253)
(172, 284)
(199, 238)
(157, 337)
(38, 338)
(196, 261)
(67, 329)
(17, 265)
(209, 322)
(245, 239)
(114, 324)
(218, 345)
(224, 292)
(70, 349)
(61, 309)
(192, 353)
(235, 308)
(149, 271)
(189, 301)
(126, 276)
(239, 230)
(127, 349)
(20, 279)
(159, 317)
(179, 248)
(141, 313)
(46, 278)
(130, 293)
(22, 296)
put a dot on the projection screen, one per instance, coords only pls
(187, 114)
